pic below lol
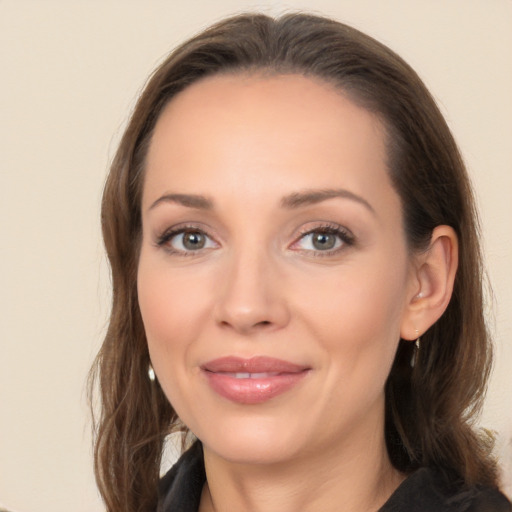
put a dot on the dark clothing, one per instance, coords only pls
(427, 491)
(424, 491)
(181, 486)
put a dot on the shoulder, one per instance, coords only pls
(180, 489)
(426, 490)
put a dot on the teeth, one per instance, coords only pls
(246, 375)
(262, 375)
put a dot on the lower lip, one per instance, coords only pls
(253, 391)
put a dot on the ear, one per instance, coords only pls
(431, 283)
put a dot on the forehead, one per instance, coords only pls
(248, 132)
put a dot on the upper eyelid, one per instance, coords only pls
(346, 236)
(162, 237)
(164, 241)
(190, 226)
(326, 226)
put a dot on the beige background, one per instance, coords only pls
(69, 73)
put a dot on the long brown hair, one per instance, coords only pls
(430, 408)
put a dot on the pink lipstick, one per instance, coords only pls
(254, 380)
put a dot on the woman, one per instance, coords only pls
(294, 254)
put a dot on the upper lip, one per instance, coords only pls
(257, 364)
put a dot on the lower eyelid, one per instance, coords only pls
(338, 244)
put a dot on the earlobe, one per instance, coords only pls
(434, 277)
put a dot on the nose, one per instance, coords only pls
(251, 295)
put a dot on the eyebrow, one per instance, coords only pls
(291, 201)
(309, 197)
(189, 200)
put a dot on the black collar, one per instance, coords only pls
(425, 490)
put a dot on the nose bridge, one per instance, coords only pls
(250, 296)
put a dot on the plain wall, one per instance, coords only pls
(70, 71)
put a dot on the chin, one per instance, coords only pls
(253, 442)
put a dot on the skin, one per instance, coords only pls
(259, 286)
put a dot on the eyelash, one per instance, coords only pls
(345, 236)
(166, 237)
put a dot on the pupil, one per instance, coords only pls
(324, 241)
(193, 240)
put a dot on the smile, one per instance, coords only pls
(252, 381)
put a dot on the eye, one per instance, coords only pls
(186, 240)
(325, 239)
(321, 241)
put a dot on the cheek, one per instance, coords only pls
(357, 311)
(355, 319)
(172, 309)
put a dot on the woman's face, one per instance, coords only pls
(273, 275)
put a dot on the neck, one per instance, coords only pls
(360, 478)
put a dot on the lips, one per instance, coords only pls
(254, 380)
